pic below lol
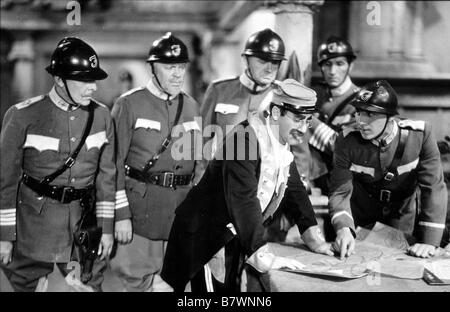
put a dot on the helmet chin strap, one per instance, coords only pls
(252, 78)
(159, 83)
(384, 128)
(73, 104)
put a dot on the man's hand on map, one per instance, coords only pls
(422, 250)
(315, 241)
(344, 243)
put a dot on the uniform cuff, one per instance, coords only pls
(343, 219)
(107, 225)
(262, 259)
(8, 233)
(122, 209)
(431, 233)
(122, 214)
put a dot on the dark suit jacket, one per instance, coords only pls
(227, 193)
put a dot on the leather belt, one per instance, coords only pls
(164, 179)
(387, 196)
(64, 194)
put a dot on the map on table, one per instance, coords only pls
(381, 250)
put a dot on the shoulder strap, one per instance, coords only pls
(165, 144)
(392, 170)
(340, 108)
(70, 161)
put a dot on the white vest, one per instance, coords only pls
(275, 162)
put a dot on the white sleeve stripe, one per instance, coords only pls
(105, 214)
(105, 203)
(8, 223)
(337, 214)
(123, 200)
(8, 218)
(121, 193)
(327, 135)
(319, 131)
(433, 225)
(7, 211)
(122, 205)
(6, 215)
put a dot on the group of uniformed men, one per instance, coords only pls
(173, 220)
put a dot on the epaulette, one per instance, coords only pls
(412, 124)
(132, 91)
(224, 80)
(29, 102)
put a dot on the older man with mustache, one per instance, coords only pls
(221, 224)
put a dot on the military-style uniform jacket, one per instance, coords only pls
(360, 163)
(143, 118)
(37, 137)
(323, 135)
(228, 102)
(234, 197)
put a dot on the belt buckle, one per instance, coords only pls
(389, 176)
(67, 190)
(69, 162)
(385, 196)
(167, 179)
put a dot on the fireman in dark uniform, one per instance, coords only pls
(224, 216)
(37, 220)
(228, 102)
(387, 170)
(152, 180)
(335, 58)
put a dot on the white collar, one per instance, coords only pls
(156, 91)
(250, 84)
(59, 101)
(344, 87)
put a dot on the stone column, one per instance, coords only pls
(294, 23)
(6, 74)
(388, 37)
(23, 54)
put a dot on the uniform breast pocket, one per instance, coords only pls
(41, 143)
(96, 141)
(226, 113)
(147, 129)
(363, 173)
(30, 200)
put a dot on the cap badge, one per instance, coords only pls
(176, 50)
(365, 95)
(274, 45)
(93, 60)
(332, 47)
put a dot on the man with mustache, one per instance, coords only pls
(152, 180)
(228, 102)
(40, 198)
(387, 169)
(335, 58)
(251, 179)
